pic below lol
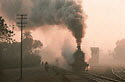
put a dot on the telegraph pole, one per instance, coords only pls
(21, 23)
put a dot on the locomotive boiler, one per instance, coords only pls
(79, 63)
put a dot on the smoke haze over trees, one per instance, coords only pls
(68, 13)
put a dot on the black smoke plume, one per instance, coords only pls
(48, 12)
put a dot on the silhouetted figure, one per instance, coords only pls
(46, 66)
(57, 62)
(42, 65)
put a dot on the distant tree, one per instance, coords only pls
(27, 42)
(5, 33)
(37, 44)
(119, 50)
(29, 45)
(27, 35)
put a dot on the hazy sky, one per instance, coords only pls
(106, 22)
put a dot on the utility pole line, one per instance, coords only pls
(21, 23)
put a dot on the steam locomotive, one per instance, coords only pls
(79, 63)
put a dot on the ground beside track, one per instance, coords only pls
(37, 74)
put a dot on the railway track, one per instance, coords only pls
(99, 78)
(73, 77)
(119, 73)
(83, 77)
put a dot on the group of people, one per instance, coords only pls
(45, 66)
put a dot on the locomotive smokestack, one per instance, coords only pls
(79, 46)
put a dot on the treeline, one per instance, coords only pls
(10, 50)
(10, 56)
(119, 51)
